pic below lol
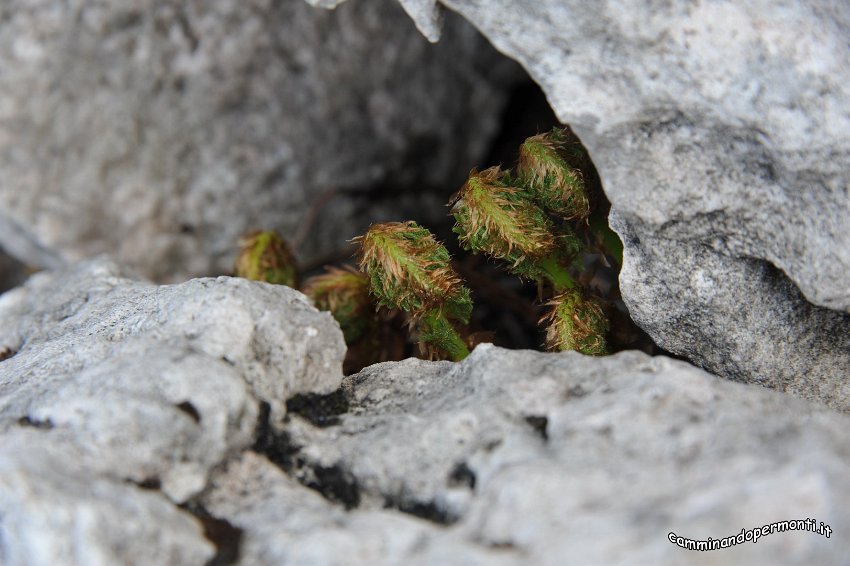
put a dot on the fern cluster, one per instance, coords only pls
(535, 220)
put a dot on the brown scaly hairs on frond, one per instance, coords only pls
(345, 294)
(549, 167)
(499, 220)
(337, 287)
(265, 256)
(409, 269)
(576, 323)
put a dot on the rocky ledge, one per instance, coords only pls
(209, 422)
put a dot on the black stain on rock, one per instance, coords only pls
(337, 485)
(276, 446)
(190, 410)
(27, 421)
(321, 410)
(427, 510)
(540, 425)
(334, 482)
(462, 475)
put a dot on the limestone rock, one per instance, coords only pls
(58, 511)
(139, 422)
(720, 130)
(108, 382)
(736, 115)
(283, 522)
(545, 456)
(778, 339)
(159, 132)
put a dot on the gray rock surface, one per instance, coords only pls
(749, 323)
(285, 523)
(534, 458)
(160, 131)
(110, 385)
(58, 511)
(720, 130)
(156, 424)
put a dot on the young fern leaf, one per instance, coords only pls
(265, 256)
(371, 335)
(345, 294)
(576, 323)
(548, 169)
(410, 270)
(500, 220)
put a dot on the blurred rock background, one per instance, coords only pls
(159, 131)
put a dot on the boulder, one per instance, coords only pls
(158, 132)
(209, 422)
(721, 131)
(119, 398)
(523, 457)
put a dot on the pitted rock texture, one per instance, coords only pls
(779, 339)
(283, 522)
(158, 132)
(58, 510)
(722, 129)
(149, 424)
(110, 383)
(524, 457)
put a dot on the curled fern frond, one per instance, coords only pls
(410, 270)
(345, 294)
(265, 256)
(495, 218)
(576, 323)
(547, 167)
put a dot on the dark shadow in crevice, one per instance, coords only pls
(12, 272)
(152, 483)
(462, 476)
(540, 425)
(427, 510)
(226, 537)
(189, 409)
(30, 422)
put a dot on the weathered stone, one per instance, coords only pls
(160, 131)
(546, 456)
(284, 522)
(778, 339)
(131, 414)
(158, 384)
(720, 130)
(58, 511)
(118, 398)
